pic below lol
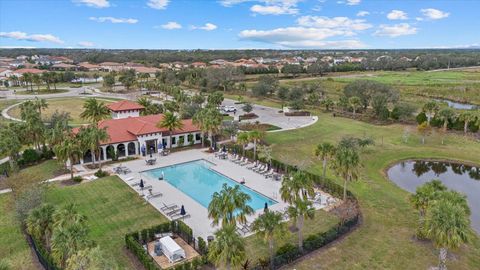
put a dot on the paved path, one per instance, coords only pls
(272, 116)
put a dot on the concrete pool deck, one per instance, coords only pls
(198, 220)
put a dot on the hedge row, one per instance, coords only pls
(135, 241)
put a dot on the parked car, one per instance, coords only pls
(230, 109)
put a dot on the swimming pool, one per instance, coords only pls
(199, 182)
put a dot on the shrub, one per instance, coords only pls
(421, 118)
(77, 179)
(30, 156)
(101, 173)
(248, 116)
(202, 246)
(300, 113)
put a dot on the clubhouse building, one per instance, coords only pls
(132, 134)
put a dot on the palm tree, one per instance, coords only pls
(228, 249)
(40, 104)
(430, 109)
(424, 130)
(345, 164)
(300, 210)
(67, 241)
(243, 139)
(229, 205)
(94, 110)
(68, 150)
(37, 81)
(10, 144)
(425, 195)
(208, 120)
(466, 117)
(445, 115)
(325, 151)
(255, 136)
(90, 139)
(297, 187)
(355, 103)
(40, 223)
(269, 226)
(171, 122)
(47, 78)
(448, 226)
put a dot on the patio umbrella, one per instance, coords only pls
(141, 184)
(265, 208)
(182, 211)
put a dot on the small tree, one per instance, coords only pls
(228, 249)
(424, 129)
(269, 226)
(300, 210)
(355, 103)
(325, 151)
(247, 107)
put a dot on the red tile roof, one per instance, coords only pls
(127, 129)
(124, 105)
(29, 70)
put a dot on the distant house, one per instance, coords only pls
(132, 134)
(199, 65)
(63, 67)
(20, 72)
(149, 70)
(111, 66)
(85, 66)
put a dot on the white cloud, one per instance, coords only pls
(300, 37)
(268, 7)
(363, 13)
(94, 3)
(86, 44)
(273, 10)
(158, 4)
(33, 37)
(434, 14)
(17, 47)
(350, 2)
(401, 29)
(206, 27)
(114, 20)
(397, 15)
(343, 23)
(171, 26)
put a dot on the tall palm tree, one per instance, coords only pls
(40, 223)
(47, 78)
(355, 103)
(67, 241)
(425, 195)
(269, 226)
(94, 110)
(446, 114)
(255, 136)
(345, 164)
(297, 187)
(68, 150)
(40, 103)
(325, 151)
(90, 139)
(466, 117)
(430, 109)
(448, 226)
(243, 139)
(37, 81)
(228, 249)
(229, 206)
(10, 144)
(300, 210)
(171, 122)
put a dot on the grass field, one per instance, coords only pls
(112, 210)
(385, 239)
(74, 106)
(34, 174)
(14, 249)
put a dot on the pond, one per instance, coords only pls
(458, 105)
(459, 177)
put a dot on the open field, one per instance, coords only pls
(112, 210)
(74, 106)
(13, 244)
(385, 239)
(34, 174)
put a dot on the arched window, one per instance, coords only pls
(131, 148)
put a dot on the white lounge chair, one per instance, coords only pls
(238, 161)
(245, 162)
(168, 207)
(269, 173)
(253, 166)
(259, 168)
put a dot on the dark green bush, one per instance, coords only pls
(77, 179)
(101, 173)
(421, 117)
(30, 156)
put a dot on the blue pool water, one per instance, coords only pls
(199, 182)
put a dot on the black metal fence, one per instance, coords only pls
(43, 257)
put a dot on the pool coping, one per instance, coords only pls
(215, 171)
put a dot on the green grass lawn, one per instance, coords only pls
(34, 174)
(74, 106)
(385, 239)
(14, 249)
(112, 209)
(257, 248)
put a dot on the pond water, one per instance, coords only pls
(458, 105)
(459, 177)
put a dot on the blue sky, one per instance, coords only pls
(239, 24)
